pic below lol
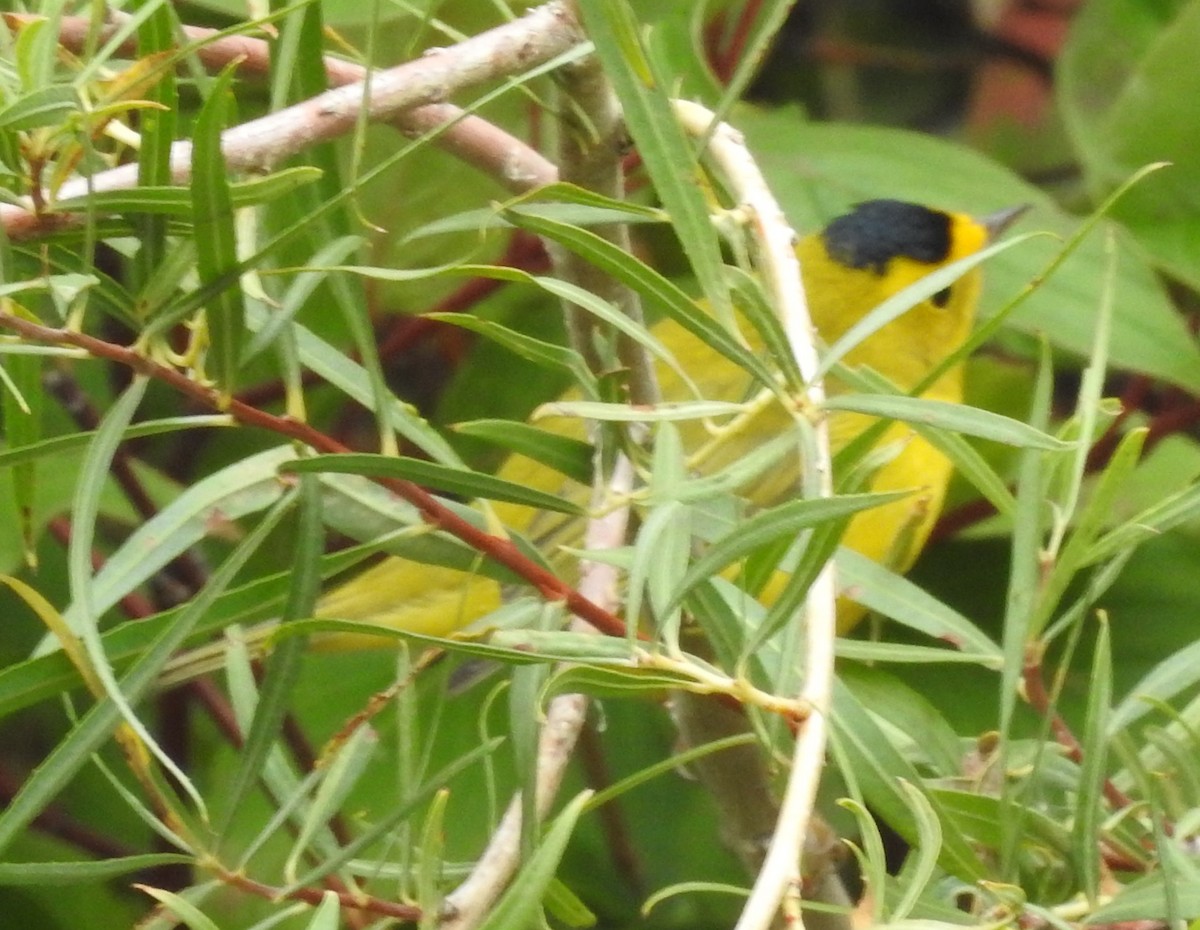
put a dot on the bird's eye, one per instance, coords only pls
(941, 298)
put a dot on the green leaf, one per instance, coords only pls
(44, 107)
(783, 521)
(659, 292)
(77, 873)
(864, 747)
(970, 421)
(96, 726)
(1132, 102)
(282, 672)
(538, 351)
(1175, 674)
(243, 488)
(216, 237)
(867, 582)
(339, 777)
(1089, 803)
(520, 907)
(443, 477)
(168, 200)
(1151, 898)
(183, 909)
(669, 156)
(61, 445)
(934, 742)
(981, 817)
(626, 413)
(385, 826)
(569, 457)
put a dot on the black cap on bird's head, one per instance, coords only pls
(876, 231)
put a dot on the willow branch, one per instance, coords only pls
(779, 880)
(418, 88)
(501, 551)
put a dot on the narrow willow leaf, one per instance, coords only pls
(85, 507)
(1088, 524)
(883, 652)
(1089, 800)
(328, 914)
(22, 409)
(934, 741)
(569, 457)
(782, 522)
(602, 211)
(660, 292)
(874, 586)
(156, 129)
(182, 909)
(60, 445)
(96, 726)
(538, 351)
(385, 825)
(520, 906)
(979, 816)
(283, 666)
(1024, 568)
(78, 873)
(166, 200)
(216, 237)
(669, 156)
(46, 106)
(339, 778)
(245, 487)
(921, 863)
(1151, 898)
(443, 477)
(878, 765)
(970, 421)
(1174, 675)
(431, 860)
(1166, 514)
(332, 364)
(626, 413)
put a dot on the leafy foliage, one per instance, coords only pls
(228, 383)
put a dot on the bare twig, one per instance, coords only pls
(471, 901)
(472, 139)
(779, 880)
(535, 38)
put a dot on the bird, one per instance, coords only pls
(858, 260)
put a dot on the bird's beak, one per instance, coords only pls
(996, 223)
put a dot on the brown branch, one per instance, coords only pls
(501, 551)
(314, 896)
(1039, 700)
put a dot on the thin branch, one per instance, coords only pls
(472, 139)
(592, 139)
(591, 144)
(1040, 700)
(502, 551)
(539, 36)
(471, 901)
(346, 899)
(779, 880)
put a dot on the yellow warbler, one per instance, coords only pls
(850, 267)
